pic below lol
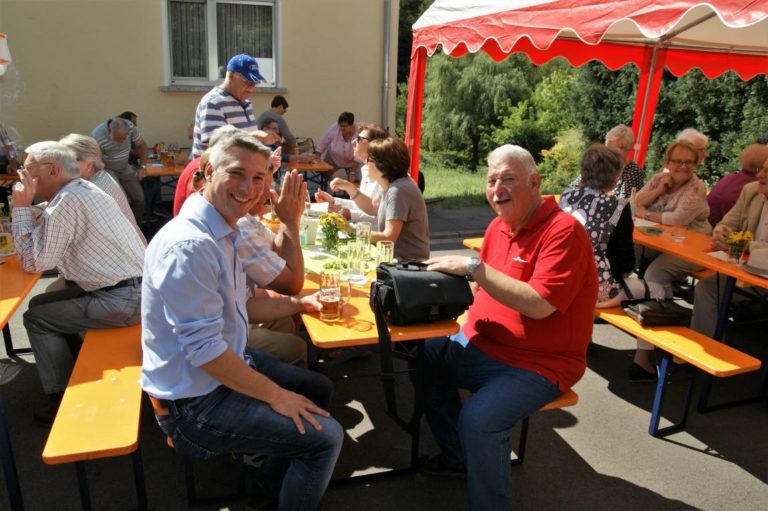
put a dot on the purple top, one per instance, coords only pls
(725, 192)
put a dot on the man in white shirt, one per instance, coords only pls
(84, 235)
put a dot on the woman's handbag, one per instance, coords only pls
(653, 311)
(409, 294)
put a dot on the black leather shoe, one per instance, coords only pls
(434, 466)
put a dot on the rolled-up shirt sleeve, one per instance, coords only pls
(186, 280)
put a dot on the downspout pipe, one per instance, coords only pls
(387, 42)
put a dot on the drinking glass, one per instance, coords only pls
(385, 252)
(363, 235)
(356, 263)
(6, 238)
(307, 203)
(330, 297)
(679, 233)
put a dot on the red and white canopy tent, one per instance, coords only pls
(718, 36)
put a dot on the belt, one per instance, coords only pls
(162, 406)
(133, 281)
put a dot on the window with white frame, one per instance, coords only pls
(204, 34)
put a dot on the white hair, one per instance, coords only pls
(515, 154)
(85, 148)
(692, 135)
(624, 134)
(119, 124)
(58, 152)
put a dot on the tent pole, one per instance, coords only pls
(652, 76)
(414, 109)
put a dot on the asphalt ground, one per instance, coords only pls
(596, 455)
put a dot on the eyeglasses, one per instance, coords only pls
(360, 137)
(29, 166)
(683, 163)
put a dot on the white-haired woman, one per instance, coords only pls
(91, 166)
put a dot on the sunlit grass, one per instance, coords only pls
(454, 188)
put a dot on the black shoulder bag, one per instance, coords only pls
(409, 294)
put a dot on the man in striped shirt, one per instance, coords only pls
(115, 137)
(228, 103)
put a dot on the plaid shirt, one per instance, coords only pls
(260, 262)
(83, 234)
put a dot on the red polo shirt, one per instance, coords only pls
(553, 254)
(182, 185)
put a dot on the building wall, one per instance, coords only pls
(79, 62)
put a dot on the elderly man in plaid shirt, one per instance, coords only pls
(84, 235)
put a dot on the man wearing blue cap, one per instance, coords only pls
(228, 103)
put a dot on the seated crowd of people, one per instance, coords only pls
(218, 294)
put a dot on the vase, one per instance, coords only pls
(735, 252)
(330, 241)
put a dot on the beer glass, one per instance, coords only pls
(330, 298)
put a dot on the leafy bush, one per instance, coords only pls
(560, 165)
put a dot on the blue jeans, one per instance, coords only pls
(298, 467)
(476, 435)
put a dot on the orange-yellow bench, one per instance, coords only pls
(567, 398)
(101, 408)
(705, 353)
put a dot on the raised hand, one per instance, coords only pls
(289, 206)
(24, 191)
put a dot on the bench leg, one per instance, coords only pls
(189, 481)
(82, 484)
(9, 463)
(138, 478)
(658, 400)
(520, 451)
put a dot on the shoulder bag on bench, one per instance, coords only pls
(655, 312)
(409, 294)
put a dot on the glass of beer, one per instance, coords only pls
(330, 295)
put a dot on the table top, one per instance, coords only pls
(15, 285)
(695, 249)
(357, 325)
(316, 166)
(156, 168)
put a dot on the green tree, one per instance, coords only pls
(536, 122)
(463, 99)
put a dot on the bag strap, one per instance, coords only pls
(630, 296)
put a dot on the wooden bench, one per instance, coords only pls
(708, 355)
(567, 398)
(101, 408)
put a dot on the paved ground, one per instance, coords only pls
(596, 455)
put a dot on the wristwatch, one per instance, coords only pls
(474, 262)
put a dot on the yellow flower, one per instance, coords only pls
(739, 238)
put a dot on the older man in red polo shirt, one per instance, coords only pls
(526, 337)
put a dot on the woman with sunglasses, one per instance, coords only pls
(402, 213)
(363, 202)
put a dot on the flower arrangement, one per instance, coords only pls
(331, 224)
(737, 241)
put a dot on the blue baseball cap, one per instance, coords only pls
(247, 66)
